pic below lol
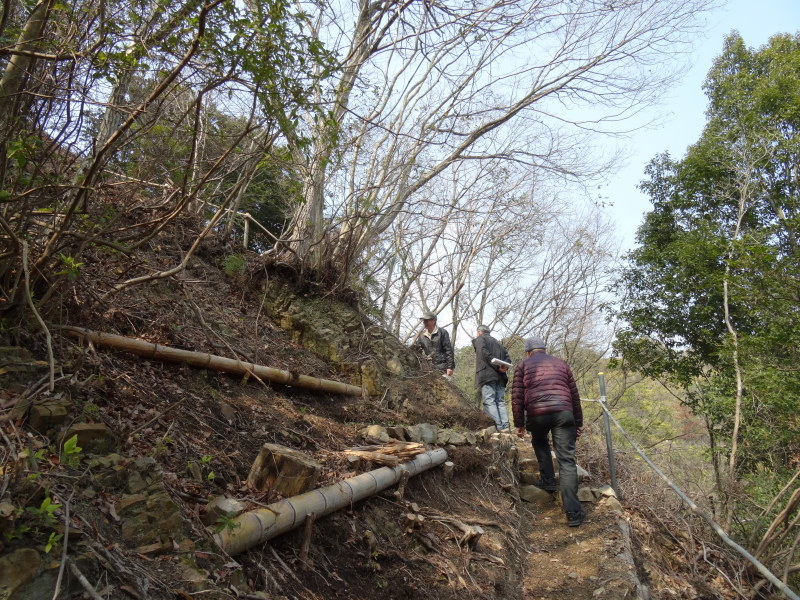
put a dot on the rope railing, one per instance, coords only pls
(780, 585)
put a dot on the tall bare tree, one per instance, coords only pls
(425, 86)
(493, 245)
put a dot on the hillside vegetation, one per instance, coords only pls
(133, 502)
(272, 185)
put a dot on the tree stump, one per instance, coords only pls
(284, 470)
(449, 467)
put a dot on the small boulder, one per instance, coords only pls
(535, 495)
(395, 365)
(371, 379)
(93, 438)
(443, 437)
(130, 504)
(228, 412)
(376, 432)
(486, 434)
(143, 474)
(397, 432)
(17, 569)
(451, 436)
(136, 530)
(48, 416)
(222, 506)
(424, 433)
(148, 519)
(606, 491)
(8, 514)
(612, 504)
(192, 577)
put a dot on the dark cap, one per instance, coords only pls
(534, 342)
(428, 315)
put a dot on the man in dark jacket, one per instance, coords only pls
(434, 343)
(545, 399)
(491, 379)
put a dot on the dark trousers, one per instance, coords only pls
(561, 426)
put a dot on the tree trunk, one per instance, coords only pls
(19, 64)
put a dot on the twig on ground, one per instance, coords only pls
(772, 504)
(789, 567)
(103, 550)
(11, 448)
(48, 337)
(83, 581)
(64, 547)
(270, 578)
(284, 565)
(157, 417)
(425, 541)
(722, 573)
(10, 403)
(471, 533)
(207, 328)
(24, 401)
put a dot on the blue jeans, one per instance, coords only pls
(494, 403)
(562, 427)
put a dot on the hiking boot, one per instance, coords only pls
(545, 485)
(574, 519)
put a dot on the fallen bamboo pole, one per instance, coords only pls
(212, 361)
(257, 526)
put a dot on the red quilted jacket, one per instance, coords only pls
(544, 384)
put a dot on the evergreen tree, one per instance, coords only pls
(711, 294)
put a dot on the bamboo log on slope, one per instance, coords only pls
(258, 526)
(212, 361)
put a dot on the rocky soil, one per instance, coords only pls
(124, 512)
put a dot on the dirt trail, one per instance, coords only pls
(592, 561)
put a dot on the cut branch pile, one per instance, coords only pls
(390, 454)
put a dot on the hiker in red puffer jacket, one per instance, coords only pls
(545, 400)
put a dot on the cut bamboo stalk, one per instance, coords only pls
(257, 526)
(212, 361)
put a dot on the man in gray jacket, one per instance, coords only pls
(434, 343)
(491, 379)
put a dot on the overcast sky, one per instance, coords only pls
(756, 21)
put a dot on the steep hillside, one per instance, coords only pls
(160, 443)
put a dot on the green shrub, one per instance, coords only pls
(233, 264)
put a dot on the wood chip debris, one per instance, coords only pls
(390, 454)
